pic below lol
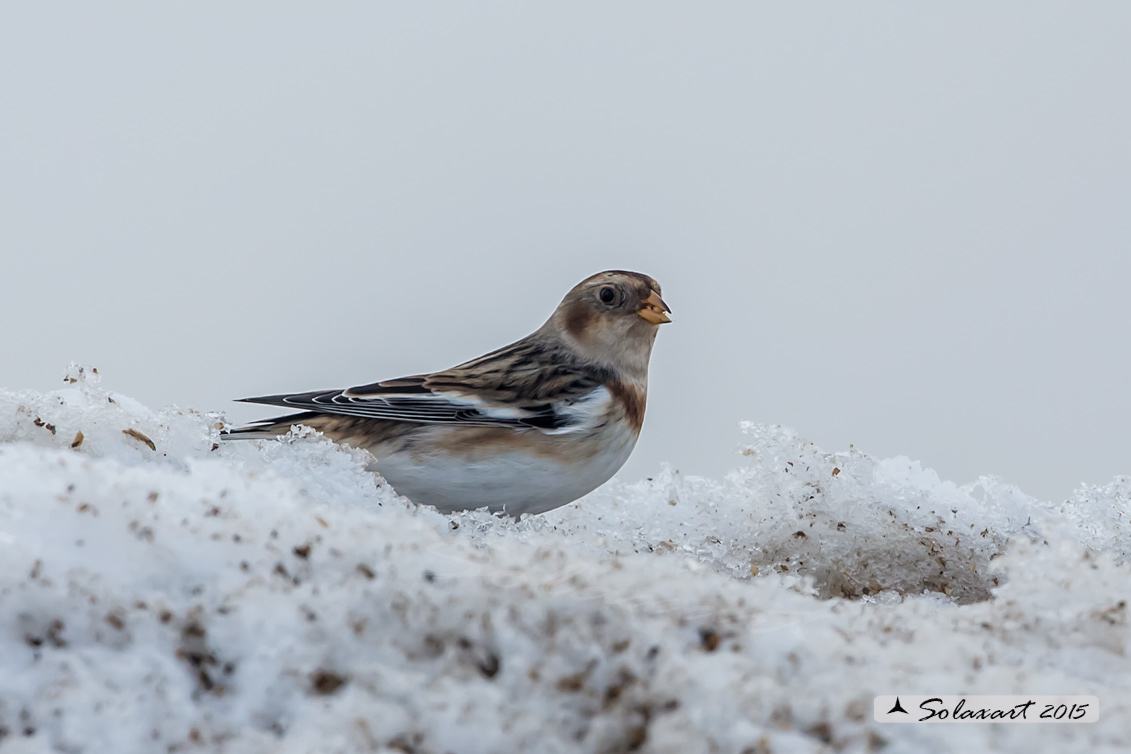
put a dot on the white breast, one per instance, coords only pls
(513, 481)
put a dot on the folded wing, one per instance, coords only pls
(554, 398)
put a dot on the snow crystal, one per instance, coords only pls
(161, 590)
(1101, 517)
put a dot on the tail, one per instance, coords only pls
(258, 430)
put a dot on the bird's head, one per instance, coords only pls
(612, 318)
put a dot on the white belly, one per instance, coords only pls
(513, 482)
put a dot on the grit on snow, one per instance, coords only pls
(161, 590)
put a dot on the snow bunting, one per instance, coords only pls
(524, 429)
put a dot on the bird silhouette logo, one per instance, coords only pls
(898, 708)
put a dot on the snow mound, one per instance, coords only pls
(163, 591)
(855, 525)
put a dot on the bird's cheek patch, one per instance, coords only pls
(578, 319)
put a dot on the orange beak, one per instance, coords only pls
(654, 309)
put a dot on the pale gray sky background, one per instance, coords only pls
(901, 225)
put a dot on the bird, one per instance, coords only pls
(521, 430)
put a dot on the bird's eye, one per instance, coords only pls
(608, 295)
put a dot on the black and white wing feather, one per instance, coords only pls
(521, 386)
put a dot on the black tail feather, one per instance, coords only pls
(267, 427)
